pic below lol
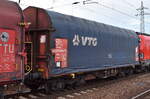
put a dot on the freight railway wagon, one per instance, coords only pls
(66, 50)
(58, 50)
(11, 43)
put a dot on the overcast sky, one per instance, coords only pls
(119, 13)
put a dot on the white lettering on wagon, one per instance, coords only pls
(8, 48)
(84, 41)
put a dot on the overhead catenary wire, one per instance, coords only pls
(57, 6)
(84, 2)
(92, 11)
(98, 3)
(88, 9)
(70, 4)
(120, 12)
(129, 4)
(108, 16)
(116, 10)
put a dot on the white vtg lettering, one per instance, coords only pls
(89, 41)
(85, 41)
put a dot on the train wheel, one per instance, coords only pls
(131, 72)
(80, 82)
(54, 85)
(58, 85)
(121, 74)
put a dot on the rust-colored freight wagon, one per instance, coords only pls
(11, 42)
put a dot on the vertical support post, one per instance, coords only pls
(19, 1)
(142, 14)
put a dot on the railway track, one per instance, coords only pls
(143, 95)
(71, 92)
(29, 95)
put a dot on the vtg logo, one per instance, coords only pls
(84, 41)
